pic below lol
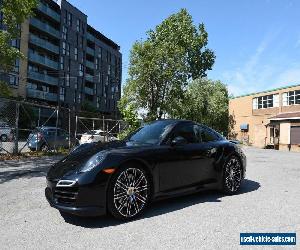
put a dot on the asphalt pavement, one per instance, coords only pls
(269, 201)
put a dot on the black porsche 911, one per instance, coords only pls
(162, 159)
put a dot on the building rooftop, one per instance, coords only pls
(286, 116)
(266, 91)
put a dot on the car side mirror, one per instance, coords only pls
(178, 141)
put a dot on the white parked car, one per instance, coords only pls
(5, 132)
(95, 136)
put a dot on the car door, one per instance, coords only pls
(187, 164)
(63, 138)
(49, 137)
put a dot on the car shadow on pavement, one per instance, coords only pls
(160, 207)
(11, 170)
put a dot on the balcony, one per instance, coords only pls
(90, 37)
(43, 60)
(90, 51)
(90, 64)
(89, 77)
(37, 94)
(49, 12)
(43, 78)
(45, 27)
(88, 91)
(43, 44)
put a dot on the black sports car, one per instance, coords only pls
(162, 159)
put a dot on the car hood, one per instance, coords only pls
(81, 154)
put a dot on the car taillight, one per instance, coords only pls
(39, 136)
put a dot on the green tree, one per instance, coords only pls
(4, 90)
(15, 12)
(88, 107)
(130, 116)
(162, 66)
(205, 101)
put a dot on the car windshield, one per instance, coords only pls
(151, 133)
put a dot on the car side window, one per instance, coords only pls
(50, 132)
(188, 132)
(207, 135)
(62, 133)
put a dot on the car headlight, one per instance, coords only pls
(94, 161)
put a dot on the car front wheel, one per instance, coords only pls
(129, 193)
(232, 176)
(3, 138)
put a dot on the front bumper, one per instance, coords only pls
(81, 201)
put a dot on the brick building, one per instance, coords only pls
(268, 119)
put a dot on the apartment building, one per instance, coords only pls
(268, 119)
(69, 64)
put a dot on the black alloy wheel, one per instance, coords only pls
(232, 175)
(129, 193)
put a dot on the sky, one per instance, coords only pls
(256, 42)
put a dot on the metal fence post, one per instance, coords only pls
(16, 148)
(56, 130)
(69, 128)
(76, 121)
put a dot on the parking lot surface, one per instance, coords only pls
(269, 201)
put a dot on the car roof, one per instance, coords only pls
(47, 127)
(175, 121)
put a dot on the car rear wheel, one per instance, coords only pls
(44, 148)
(129, 193)
(232, 176)
(3, 137)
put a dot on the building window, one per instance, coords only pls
(79, 98)
(67, 79)
(81, 69)
(67, 49)
(17, 65)
(109, 70)
(69, 65)
(291, 98)
(75, 82)
(69, 21)
(97, 63)
(76, 54)
(78, 25)
(13, 80)
(263, 102)
(62, 64)
(64, 48)
(98, 102)
(64, 33)
(100, 53)
(62, 93)
(15, 43)
(75, 97)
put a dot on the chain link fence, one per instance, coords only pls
(89, 128)
(26, 127)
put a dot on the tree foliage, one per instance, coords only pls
(206, 102)
(129, 115)
(162, 66)
(4, 90)
(15, 12)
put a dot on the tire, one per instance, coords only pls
(44, 148)
(232, 175)
(3, 138)
(128, 193)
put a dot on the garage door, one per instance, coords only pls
(295, 135)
